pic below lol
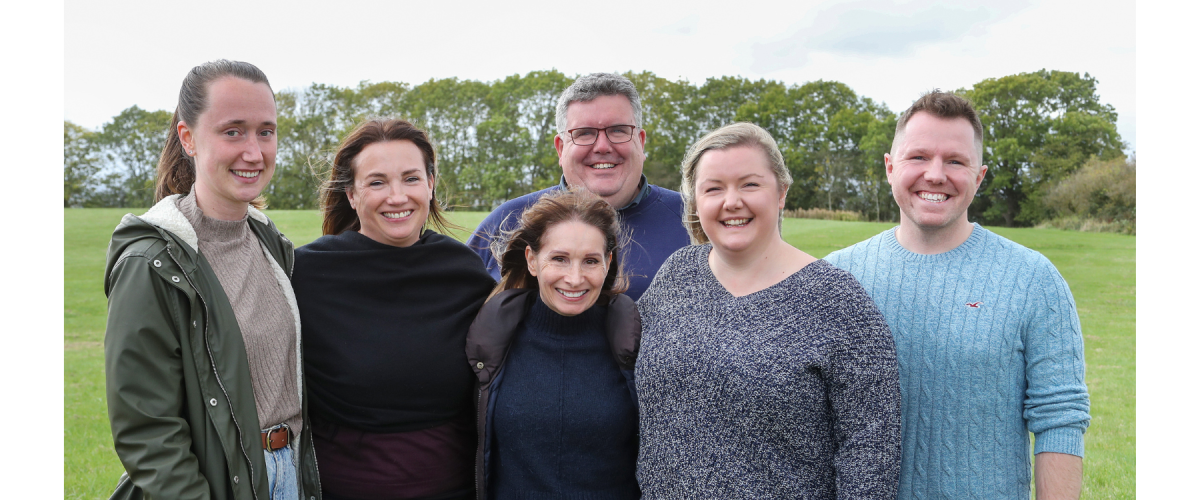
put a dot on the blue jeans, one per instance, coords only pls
(281, 474)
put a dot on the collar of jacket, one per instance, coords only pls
(166, 218)
(166, 215)
(493, 329)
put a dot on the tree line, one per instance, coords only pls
(495, 139)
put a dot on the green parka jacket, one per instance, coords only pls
(180, 400)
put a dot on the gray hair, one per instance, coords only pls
(589, 87)
(729, 136)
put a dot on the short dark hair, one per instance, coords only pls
(942, 105)
(338, 215)
(572, 204)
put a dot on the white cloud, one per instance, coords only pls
(122, 53)
(872, 28)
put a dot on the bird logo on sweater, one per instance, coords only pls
(974, 305)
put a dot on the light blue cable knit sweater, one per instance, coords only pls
(990, 349)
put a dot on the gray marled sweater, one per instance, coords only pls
(789, 392)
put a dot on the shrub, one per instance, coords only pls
(821, 213)
(1100, 196)
(1075, 223)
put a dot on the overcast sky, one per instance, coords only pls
(122, 53)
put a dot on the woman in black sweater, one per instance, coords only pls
(554, 350)
(384, 306)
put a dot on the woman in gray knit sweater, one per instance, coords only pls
(764, 372)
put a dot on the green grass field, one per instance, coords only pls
(1099, 268)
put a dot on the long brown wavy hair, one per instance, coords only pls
(339, 216)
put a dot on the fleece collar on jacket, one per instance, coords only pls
(166, 215)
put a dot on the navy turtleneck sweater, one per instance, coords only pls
(565, 425)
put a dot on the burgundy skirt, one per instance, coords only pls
(433, 463)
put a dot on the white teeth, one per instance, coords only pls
(934, 197)
(736, 222)
(397, 215)
(572, 295)
(248, 175)
(604, 165)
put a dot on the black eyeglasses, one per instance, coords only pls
(586, 136)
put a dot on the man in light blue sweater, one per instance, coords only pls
(987, 337)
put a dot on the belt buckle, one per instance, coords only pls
(270, 433)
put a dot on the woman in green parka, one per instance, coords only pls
(202, 350)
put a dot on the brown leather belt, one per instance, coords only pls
(276, 439)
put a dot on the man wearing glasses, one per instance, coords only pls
(600, 145)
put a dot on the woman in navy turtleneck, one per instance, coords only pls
(554, 349)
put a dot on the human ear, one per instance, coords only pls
(531, 261)
(185, 138)
(887, 166)
(350, 197)
(558, 144)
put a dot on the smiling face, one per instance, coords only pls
(391, 192)
(738, 199)
(570, 267)
(934, 170)
(233, 145)
(611, 171)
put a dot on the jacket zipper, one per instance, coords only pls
(217, 375)
(480, 427)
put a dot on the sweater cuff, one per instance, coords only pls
(1067, 440)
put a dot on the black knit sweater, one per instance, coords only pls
(384, 327)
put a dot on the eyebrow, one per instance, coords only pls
(554, 251)
(742, 178)
(376, 173)
(920, 150)
(268, 123)
(927, 150)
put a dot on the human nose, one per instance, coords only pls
(936, 171)
(253, 153)
(733, 199)
(574, 274)
(397, 194)
(602, 143)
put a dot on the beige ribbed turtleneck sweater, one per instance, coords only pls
(261, 309)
